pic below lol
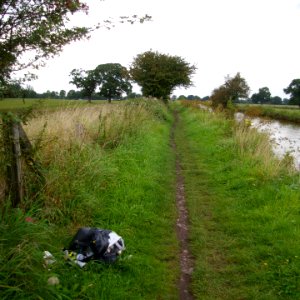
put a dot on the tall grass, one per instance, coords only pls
(107, 173)
(290, 114)
(18, 104)
(243, 207)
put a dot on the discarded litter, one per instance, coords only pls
(48, 258)
(94, 244)
(53, 280)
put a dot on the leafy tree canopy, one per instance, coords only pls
(294, 90)
(232, 90)
(37, 26)
(87, 81)
(41, 28)
(113, 80)
(276, 100)
(159, 74)
(263, 96)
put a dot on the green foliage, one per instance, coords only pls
(294, 90)
(87, 81)
(285, 113)
(37, 27)
(263, 96)
(113, 80)
(159, 74)
(40, 29)
(232, 90)
(243, 212)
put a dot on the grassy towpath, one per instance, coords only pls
(244, 210)
(112, 167)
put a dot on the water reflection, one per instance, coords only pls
(285, 137)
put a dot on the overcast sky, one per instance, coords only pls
(258, 38)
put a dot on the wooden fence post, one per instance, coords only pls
(18, 151)
(14, 175)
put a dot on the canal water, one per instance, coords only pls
(285, 137)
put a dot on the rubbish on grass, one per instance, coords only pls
(48, 258)
(94, 243)
(53, 280)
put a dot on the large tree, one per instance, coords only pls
(294, 90)
(86, 81)
(37, 27)
(232, 90)
(113, 80)
(159, 74)
(263, 96)
(40, 28)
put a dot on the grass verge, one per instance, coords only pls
(244, 211)
(91, 181)
(274, 112)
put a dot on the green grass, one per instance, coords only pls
(244, 212)
(119, 186)
(285, 113)
(18, 104)
(111, 166)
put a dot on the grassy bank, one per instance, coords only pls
(244, 211)
(285, 113)
(103, 168)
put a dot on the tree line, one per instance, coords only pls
(41, 28)
(236, 90)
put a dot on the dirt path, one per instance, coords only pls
(186, 261)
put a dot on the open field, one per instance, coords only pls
(17, 104)
(280, 112)
(244, 211)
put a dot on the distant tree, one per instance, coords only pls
(193, 97)
(182, 97)
(232, 90)
(113, 80)
(133, 95)
(30, 92)
(159, 74)
(62, 94)
(276, 100)
(190, 97)
(87, 81)
(53, 95)
(12, 90)
(263, 96)
(220, 96)
(294, 90)
(174, 97)
(237, 87)
(205, 98)
(285, 101)
(71, 94)
(255, 98)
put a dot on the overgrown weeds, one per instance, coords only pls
(243, 207)
(103, 168)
